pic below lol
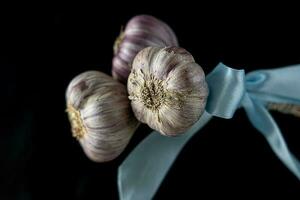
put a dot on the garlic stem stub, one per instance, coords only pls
(285, 108)
(167, 89)
(100, 115)
(140, 32)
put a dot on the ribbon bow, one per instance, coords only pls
(142, 172)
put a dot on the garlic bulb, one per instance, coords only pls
(167, 89)
(140, 32)
(100, 115)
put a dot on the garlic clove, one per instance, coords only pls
(167, 89)
(100, 115)
(140, 32)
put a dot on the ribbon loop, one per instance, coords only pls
(226, 90)
(280, 85)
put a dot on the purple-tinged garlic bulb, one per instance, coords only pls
(167, 89)
(140, 32)
(100, 115)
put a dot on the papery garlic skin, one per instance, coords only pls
(100, 115)
(167, 89)
(140, 32)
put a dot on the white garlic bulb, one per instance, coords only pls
(140, 32)
(167, 89)
(100, 115)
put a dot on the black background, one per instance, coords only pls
(43, 47)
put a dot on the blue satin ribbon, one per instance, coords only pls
(142, 172)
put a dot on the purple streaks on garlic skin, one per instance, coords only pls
(167, 89)
(140, 32)
(100, 115)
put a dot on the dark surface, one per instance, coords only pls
(43, 49)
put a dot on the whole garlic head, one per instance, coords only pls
(140, 32)
(100, 115)
(167, 89)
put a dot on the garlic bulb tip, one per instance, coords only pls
(78, 129)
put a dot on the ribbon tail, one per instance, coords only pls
(142, 172)
(262, 120)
